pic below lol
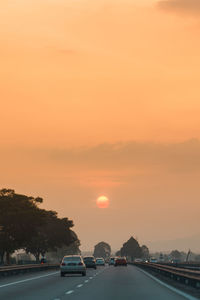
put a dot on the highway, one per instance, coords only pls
(105, 283)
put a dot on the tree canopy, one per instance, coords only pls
(23, 225)
(131, 249)
(145, 252)
(102, 249)
(175, 254)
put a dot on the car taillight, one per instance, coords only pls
(80, 264)
(63, 264)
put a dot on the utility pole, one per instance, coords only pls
(187, 258)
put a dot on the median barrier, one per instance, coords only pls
(14, 270)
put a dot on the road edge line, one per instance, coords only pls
(177, 291)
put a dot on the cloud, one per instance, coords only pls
(191, 7)
(174, 157)
(106, 165)
(134, 156)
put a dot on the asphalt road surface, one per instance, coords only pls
(105, 283)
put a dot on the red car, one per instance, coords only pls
(120, 261)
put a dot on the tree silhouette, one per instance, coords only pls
(18, 220)
(102, 249)
(23, 225)
(53, 234)
(131, 249)
(145, 252)
(175, 254)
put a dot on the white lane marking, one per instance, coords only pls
(26, 280)
(79, 286)
(86, 281)
(91, 277)
(69, 292)
(179, 292)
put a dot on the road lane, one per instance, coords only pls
(24, 279)
(43, 285)
(109, 283)
(123, 283)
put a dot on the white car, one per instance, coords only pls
(100, 262)
(72, 264)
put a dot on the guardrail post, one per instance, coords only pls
(197, 285)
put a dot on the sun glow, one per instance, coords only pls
(102, 202)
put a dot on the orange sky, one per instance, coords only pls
(102, 97)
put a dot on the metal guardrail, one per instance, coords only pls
(185, 276)
(19, 269)
(184, 270)
(191, 266)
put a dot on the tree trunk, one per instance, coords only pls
(7, 258)
(37, 256)
(2, 257)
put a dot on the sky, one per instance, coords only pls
(102, 98)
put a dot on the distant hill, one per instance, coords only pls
(182, 244)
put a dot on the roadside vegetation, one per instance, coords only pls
(102, 249)
(23, 225)
(132, 250)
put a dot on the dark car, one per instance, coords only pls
(43, 260)
(112, 261)
(120, 261)
(90, 262)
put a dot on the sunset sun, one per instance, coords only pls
(102, 202)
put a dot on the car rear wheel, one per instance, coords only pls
(83, 274)
(62, 274)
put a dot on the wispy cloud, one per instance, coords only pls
(106, 165)
(134, 156)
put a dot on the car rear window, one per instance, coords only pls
(88, 258)
(72, 258)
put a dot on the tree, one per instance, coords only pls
(18, 219)
(118, 253)
(72, 249)
(175, 254)
(197, 258)
(131, 249)
(23, 225)
(102, 249)
(145, 252)
(53, 234)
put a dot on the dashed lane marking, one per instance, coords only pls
(86, 281)
(79, 286)
(69, 292)
(91, 277)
